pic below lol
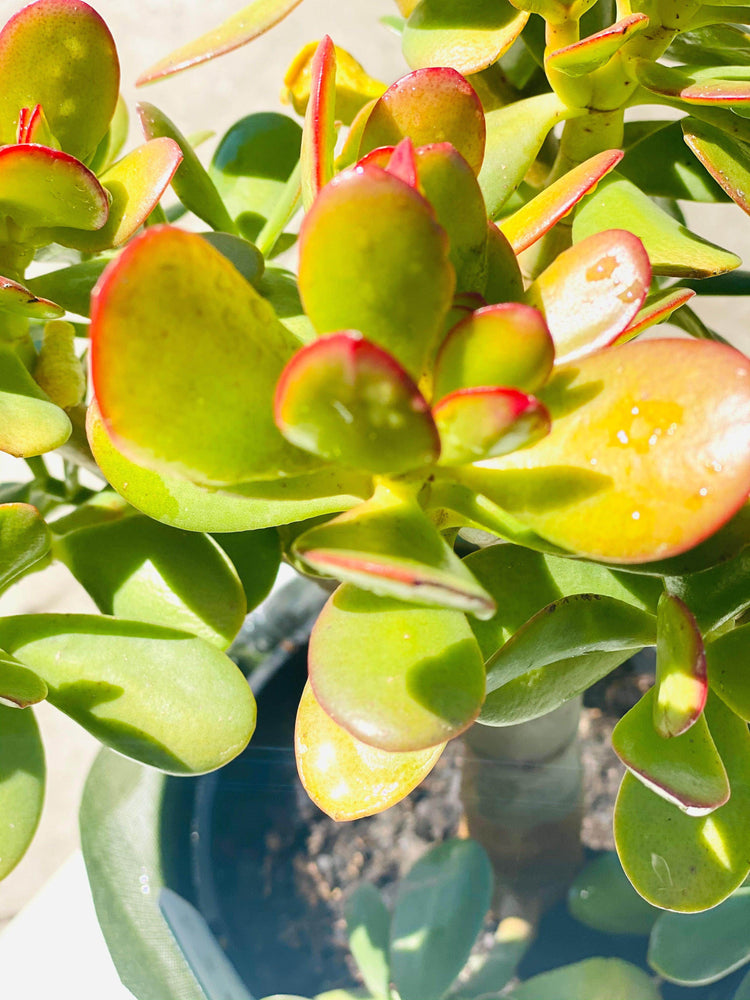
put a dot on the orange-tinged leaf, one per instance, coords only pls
(354, 87)
(657, 308)
(239, 29)
(592, 291)
(319, 133)
(681, 686)
(701, 87)
(589, 54)
(346, 778)
(402, 163)
(723, 158)
(18, 299)
(480, 423)
(429, 105)
(34, 127)
(539, 215)
(60, 54)
(649, 452)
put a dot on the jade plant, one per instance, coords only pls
(458, 353)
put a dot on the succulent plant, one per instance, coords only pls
(459, 351)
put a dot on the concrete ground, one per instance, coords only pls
(212, 97)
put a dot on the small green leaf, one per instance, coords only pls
(30, 423)
(397, 676)
(699, 948)
(504, 279)
(50, 52)
(440, 908)
(24, 540)
(672, 249)
(595, 51)
(368, 925)
(717, 594)
(21, 301)
(594, 978)
(242, 254)
(160, 696)
(494, 970)
(681, 682)
(22, 773)
(727, 161)
(727, 659)
(358, 247)
(602, 897)
(140, 570)
(19, 686)
(70, 286)
(685, 770)
(256, 556)
(688, 863)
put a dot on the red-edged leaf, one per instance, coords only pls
(501, 345)
(724, 159)
(319, 133)
(695, 88)
(18, 299)
(347, 400)
(429, 106)
(592, 292)
(402, 163)
(681, 685)
(589, 54)
(538, 216)
(657, 308)
(480, 423)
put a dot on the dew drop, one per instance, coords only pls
(636, 515)
(703, 491)
(622, 437)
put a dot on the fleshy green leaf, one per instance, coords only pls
(559, 653)
(672, 249)
(469, 36)
(481, 423)
(440, 908)
(681, 682)
(396, 676)
(21, 301)
(135, 183)
(429, 105)
(388, 545)
(30, 423)
(701, 948)
(50, 52)
(657, 308)
(70, 286)
(727, 669)
(346, 400)
(19, 686)
(354, 86)
(595, 51)
(688, 863)
(114, 139)
(685, 770)
(594, 978)
(349, 779)
(620, 476)
(717, 594)
(245, 256)
(368, 926)
(140, 570)
(358, 247)
(319, 133)
(187, 410)
(727, 161)
(160, 696)
(504, 279)
(191, 182)
(602, 897)
(246, 506)
(237, 30)
(725, 85)
(680, 174)
(22, 773)
(504, 345)
(496, 968)
(24, 540)
(592, 292)
(256, 556)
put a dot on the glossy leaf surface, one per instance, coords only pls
(24, 540)
(135, 183)
(387, 545)
(187, 411)
(702, 948)
(368, 926)
(140, 570)
(19, 686)
(319, 133)
(469, 36)
(346, 778)
(681, 682)
(21, 301)
(530, 222)
(649, 452)
(49, 54)
(724, 159)
(657, 308)
(22, 772)
(594, 978)
(727, 669)
(681, 862)
(359, 246)
(45, 187)
(595, 51)
(30, 424)
(395, 675)
(440, 907)
(239, 29)
(685, 770)
(160, 696)
(503, 345)
(429, 105)
(672, 249)
(346, 400)
(354, 86)
(480, 423)
(715, 86)
(246, 506)
(592, 292)
(191, 182)
(559, 653)
(602, 898)
(256, 556)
